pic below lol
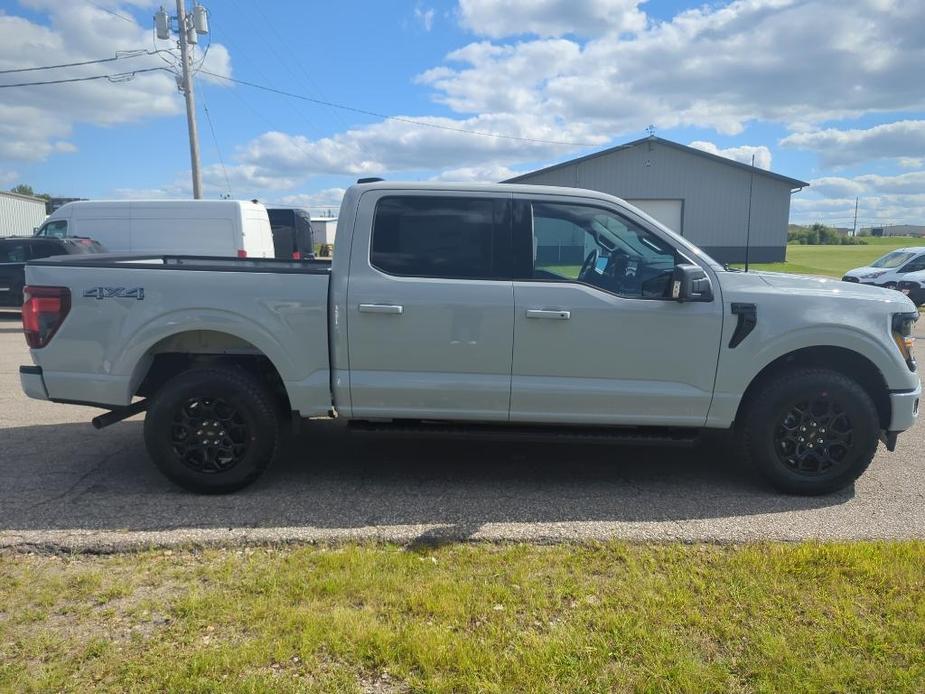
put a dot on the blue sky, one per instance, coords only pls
(825, 91)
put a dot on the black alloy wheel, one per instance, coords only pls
(209, 435)
(213, 430)
(809, 430)
(814, 436)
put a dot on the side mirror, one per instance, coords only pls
(691, 283)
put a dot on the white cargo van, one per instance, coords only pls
(192, 227)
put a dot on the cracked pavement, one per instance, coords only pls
(67, 487)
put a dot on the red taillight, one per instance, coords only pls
(43, 312)
(242, 253)
(297, 255)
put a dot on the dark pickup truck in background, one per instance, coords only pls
(16, 250)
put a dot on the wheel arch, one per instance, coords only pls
(848, 362)
(183, 350)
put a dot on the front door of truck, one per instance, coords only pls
(430, 307)
(596, 338)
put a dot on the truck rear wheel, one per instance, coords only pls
(810, 431)
(212, 430)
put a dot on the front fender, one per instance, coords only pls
(738, 367)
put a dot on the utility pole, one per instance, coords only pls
(187, 89)
(854, 231)
(189, 27)
(748, 224)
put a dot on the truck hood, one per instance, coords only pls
(810, 286)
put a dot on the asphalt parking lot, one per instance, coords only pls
(64, 485)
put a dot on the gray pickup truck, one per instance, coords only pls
(484, 308)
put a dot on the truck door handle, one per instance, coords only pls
(548, 314)
(391, 309)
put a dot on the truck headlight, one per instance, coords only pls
(903, 324)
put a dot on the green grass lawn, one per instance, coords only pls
(834, 261)
(469, 618)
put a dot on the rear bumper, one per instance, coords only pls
(905, 407)
(33, 382)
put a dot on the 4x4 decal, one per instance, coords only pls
(114, 293)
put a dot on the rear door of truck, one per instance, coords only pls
(430, 307)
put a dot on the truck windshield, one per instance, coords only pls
(894, 259)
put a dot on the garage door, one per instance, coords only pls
(668, 212)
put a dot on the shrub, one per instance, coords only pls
(820, 235)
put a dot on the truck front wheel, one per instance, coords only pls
(810, 431)
(212, 430)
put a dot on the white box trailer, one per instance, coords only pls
(20, 214)
(192, 227)
(324, 229)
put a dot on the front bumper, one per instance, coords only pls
(904, 405)
(33, 382)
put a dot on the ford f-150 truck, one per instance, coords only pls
(510, 308)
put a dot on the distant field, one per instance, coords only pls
(834, 261)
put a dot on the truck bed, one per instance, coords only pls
(126, 310)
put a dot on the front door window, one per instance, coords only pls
(579, 243)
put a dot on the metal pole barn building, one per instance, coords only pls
(20, 214)
(702, 196)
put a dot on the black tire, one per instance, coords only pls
(233, 412)
(889, 285)
(810, 431)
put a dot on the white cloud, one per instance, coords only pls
(492, 173)
(326, 199)
(278, 160)
(713, 67)
(743, 153)
(424, 15)
(36, 121)
(881, 200)
(551, 17)
(8, 178)
(903, 140)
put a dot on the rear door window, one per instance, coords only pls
(445, 237)
(44, 249)
(12, 252)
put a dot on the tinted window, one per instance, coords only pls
(915, 265)
(452, 237)
(12, 252)
(893, 259)
(44, 249)
(597, 247)
(77, 245)
(58, 229)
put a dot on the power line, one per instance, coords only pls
(115, 77)
(399, 119)
(218, 150)
(120, 55)
(108, 11)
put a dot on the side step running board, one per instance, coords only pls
(632, 436)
